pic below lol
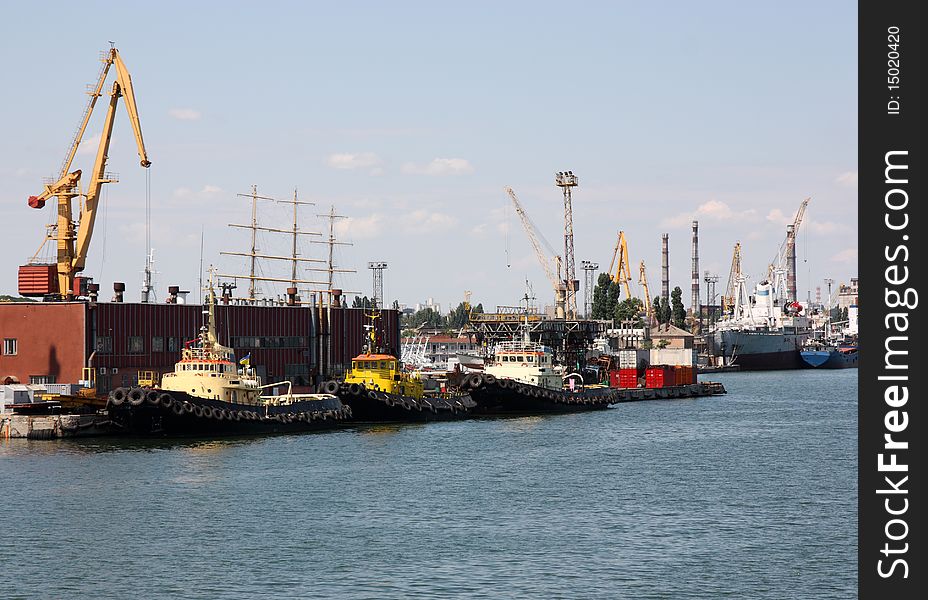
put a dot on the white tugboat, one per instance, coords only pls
(208, 393)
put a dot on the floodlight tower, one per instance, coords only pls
(377, 268)
(710, 280)
(590, 268)
(567, 180)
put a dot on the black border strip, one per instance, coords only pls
(891, 243)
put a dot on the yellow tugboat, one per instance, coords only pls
(381, 372)
(378, 389)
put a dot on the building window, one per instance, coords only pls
(173, 344)
(41, 379)
(136, 344)
(104, 344)
(157, 344)
(9, 346)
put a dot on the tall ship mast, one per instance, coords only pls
(256, 253)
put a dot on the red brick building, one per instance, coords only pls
(51, 342)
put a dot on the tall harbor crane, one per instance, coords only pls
(545, 259)
(619, 263)
(59, 280)
(728, 300)
(643, 282)
(784, 264)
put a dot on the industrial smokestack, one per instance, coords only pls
(665, 267)
(695, 300)
(790, 263)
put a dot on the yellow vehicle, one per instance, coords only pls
(382, 372)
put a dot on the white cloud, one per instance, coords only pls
(777, 216)
(89, 145)
(423, 221)
(712, 210)
(848, 255)
(205, 192)
(353, 161)
(365, 228)
(376, 172)
(847, 179)
(185, 114)
(440, 166)
(818, 227)
(479, 230)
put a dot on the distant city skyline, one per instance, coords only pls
(411, 118)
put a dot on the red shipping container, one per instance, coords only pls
(628, 378)
(656, 377)
(614, 379)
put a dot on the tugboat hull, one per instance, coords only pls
(495, 396)
(150, 412)
(374, 406)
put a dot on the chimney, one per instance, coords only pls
(291, 296)
(665, 268)
(336, 298)
(92, 291)
(695, 300)
(172, 294)
(118, 289)
(790, 263)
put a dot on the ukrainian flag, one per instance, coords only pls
(245, 360)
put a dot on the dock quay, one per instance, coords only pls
(57, 426)
(49, 427)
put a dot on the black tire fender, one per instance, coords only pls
(330, 387)
(136, 396)
(166, 400)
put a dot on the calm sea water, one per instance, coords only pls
(749, 495)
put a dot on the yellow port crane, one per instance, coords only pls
(623, 273)
(643, 282)
(728, 300)
(74, 238)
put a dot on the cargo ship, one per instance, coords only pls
(762, 333)
(832, 356)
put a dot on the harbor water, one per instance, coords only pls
(748, 495)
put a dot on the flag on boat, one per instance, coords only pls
(246, 360)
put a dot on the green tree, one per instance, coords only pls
(630, 310)
(612, 298)
(459, 317)
(665, 314)
(361, 302)
(656, 308)
(425, 317)
(600, 308)
(679, 313)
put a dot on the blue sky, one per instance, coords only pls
(411, 118)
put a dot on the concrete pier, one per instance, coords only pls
(48, 427)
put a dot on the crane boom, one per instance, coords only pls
(643, 282)
(537, 240)
(535, 237)
(623, 273)
(728, 300)
(72, 257)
